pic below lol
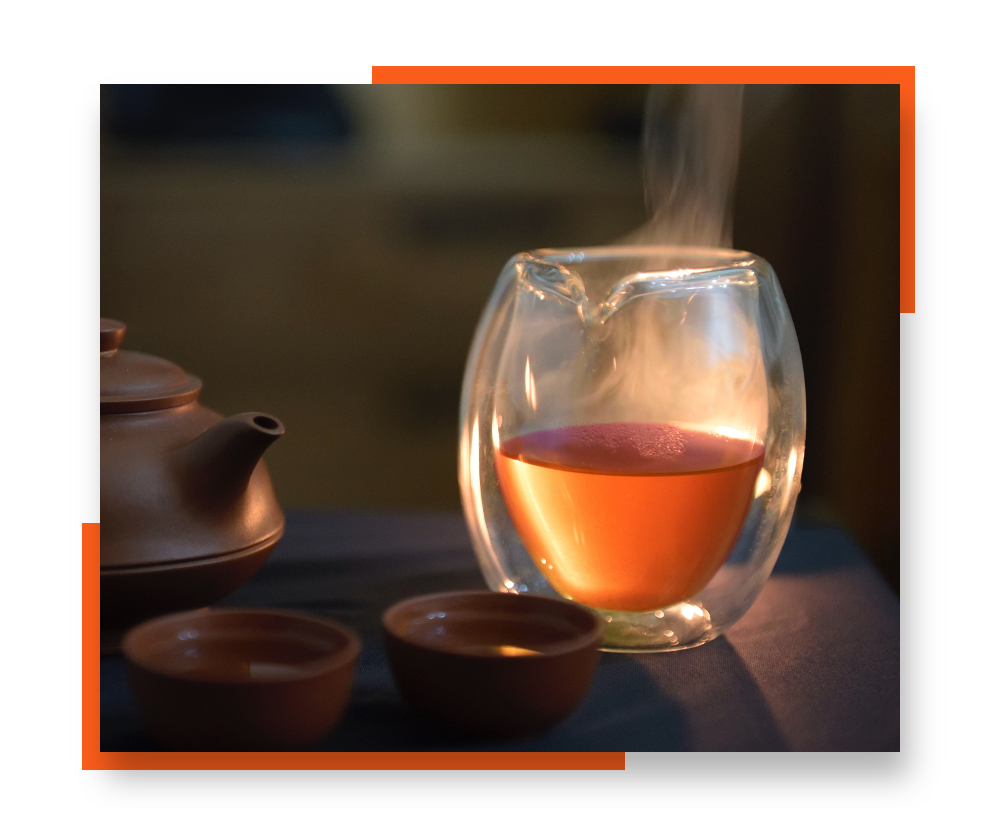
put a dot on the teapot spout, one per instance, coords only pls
(219, 462)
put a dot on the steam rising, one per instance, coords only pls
(653, 342)
(691, 147)
(697, 356)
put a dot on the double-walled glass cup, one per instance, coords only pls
(632, 434)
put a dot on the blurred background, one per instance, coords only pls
(323, 253)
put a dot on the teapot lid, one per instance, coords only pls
(134, 382)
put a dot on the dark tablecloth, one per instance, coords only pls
(814, 664)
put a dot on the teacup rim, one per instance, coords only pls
(337, 659)
(593, 635)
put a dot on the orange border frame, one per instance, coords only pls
(94, 758)
(903, 76)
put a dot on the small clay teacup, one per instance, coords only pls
(240, 679)
(492, 665)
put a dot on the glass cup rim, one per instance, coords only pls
(702, 257)
(689, 268)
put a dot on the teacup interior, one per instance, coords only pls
(236, 646)
(490, 624)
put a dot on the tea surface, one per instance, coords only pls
(628, 516)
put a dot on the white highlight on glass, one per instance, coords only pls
(529, 385)
(763, 483)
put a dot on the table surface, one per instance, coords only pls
(813, 666)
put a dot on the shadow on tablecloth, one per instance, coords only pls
(628, 708)
(824, 602)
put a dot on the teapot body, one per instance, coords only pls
(150, 515)
(188, 512)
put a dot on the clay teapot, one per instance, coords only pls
(188, 513)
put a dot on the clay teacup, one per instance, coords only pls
(240, 679)
(492, 665)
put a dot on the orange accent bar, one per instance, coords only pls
(907, 192)
(903, 76)
(91, 727)
(375, 760)
(638, 75)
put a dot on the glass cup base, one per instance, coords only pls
(682, 626)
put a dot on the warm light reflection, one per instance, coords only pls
(763, 483)
(529, 385)
(789, 478)
(474, 484)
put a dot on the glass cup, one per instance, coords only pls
(632, 434)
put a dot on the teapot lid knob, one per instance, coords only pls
(112, 334)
